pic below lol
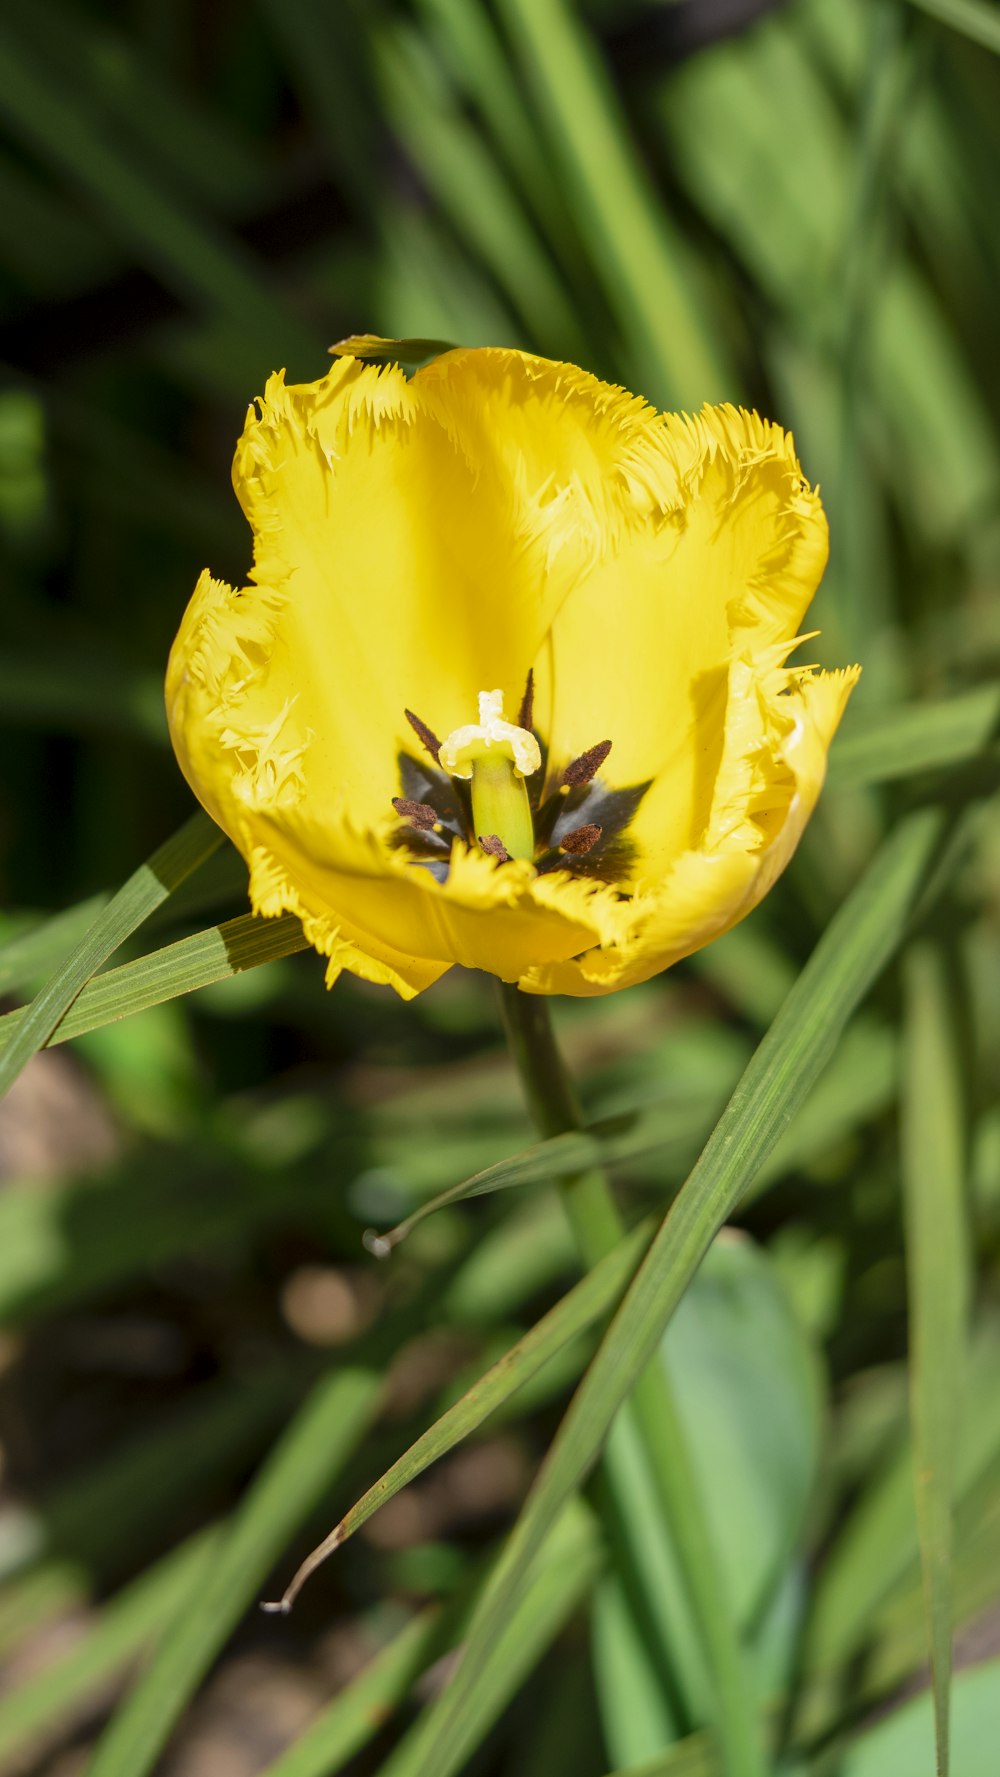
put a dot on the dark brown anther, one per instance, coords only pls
(494, 847)
(527, 708)
(425, 735)
(580, 771)
(581, 840)
(419, 814)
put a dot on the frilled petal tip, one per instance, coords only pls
(774, 763)
(418, 541)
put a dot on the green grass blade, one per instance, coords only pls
(571, 1563)
(363, 1706)
(849, 957)
(127, 1624)
(889, 744)
(859, 1085)
(295, 1477)
(194, 258)
(35, 946)
(933, 1144)
(168, 867)
(972, 17)
(593, 1296)
(641, 259)
(199, 961)
(472, 190)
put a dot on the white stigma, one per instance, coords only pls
(465, 745)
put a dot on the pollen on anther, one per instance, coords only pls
(425, 735)
(581, 840)
(580, 771)
(419, 814)
(494, 846)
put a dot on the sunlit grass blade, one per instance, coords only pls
(150, 885)
(855, 948)
(974, 18)
(296, 1475)
(937, 1236)
(644, 263)
(199, 961)
(592, 1297)
(885, 744)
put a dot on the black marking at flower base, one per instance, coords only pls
(612, 857)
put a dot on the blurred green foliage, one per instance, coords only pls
(792, 206)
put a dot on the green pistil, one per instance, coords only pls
(500, 806)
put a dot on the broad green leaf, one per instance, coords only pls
(635, 1705)
(897, 1746)
(750, 1396)
(747, 1392)
(937, 1240)
(297, 1474)
(848, 958)
(151, 884)
(199, 961)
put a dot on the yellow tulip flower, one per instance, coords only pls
(508, 687)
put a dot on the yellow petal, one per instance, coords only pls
(774, 762)
(415, 541)
(719, 545)
(351, 890)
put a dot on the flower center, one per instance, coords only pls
(476, 791)
(497, 755)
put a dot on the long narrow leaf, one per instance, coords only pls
(925, 737)
(640, 257)
(853, 951)
(320, 1439)
(572, 1561)
(933, 1141)
(592, 1297)
(199, 961)
(147, 888)
(126, 1626)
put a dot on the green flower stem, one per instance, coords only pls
(597, 1227)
